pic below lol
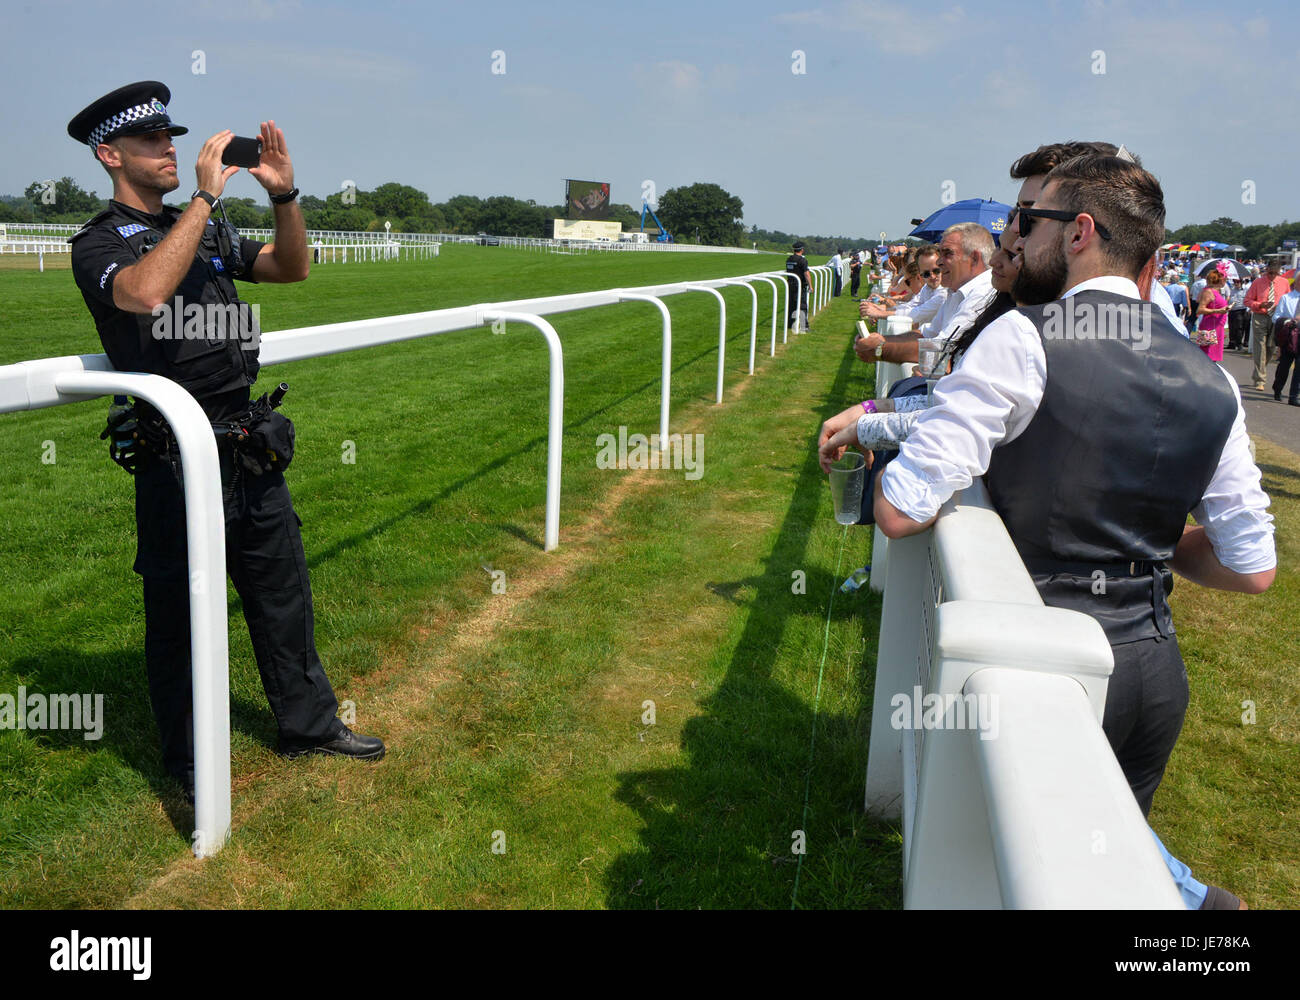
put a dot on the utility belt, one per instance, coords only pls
(260, 439)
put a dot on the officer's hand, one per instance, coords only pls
(276, 170)
(211, 174)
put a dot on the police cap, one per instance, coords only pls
(136, 109)
(798, 245)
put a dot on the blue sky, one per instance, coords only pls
(896, 99)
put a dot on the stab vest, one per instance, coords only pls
(1129, 433)
(205, 366)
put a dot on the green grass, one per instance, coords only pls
(672, 591)
(523, 713)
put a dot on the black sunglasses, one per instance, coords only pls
(934, 271)
(1026, 216)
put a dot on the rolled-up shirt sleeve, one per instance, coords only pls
(1234, 508)
(990, 397)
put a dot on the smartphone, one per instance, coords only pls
(242, 152)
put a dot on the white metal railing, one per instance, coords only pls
(49, 382)
(332, 237)
(31, 385)
(1033, 812)
(340, 253)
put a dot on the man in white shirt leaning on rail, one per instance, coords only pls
(964, 252)
(1095, 469)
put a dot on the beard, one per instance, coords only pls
(1034, 286)
(159, 180)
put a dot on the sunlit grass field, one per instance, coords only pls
(631, 723)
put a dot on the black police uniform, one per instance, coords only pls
(216, 363)
(796, 267)
(264, 552)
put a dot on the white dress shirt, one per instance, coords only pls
(993, 394)
(1160, 297)
(961, 307)
(1287, 307)
(925, 306)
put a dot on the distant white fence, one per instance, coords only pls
(49, 382)
(341, 253)
(986, 734)
(353, 238)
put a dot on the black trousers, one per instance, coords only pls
(836, 283)
(1287, 363)
(265, 560)
(1145, 704)
(1238, 327)
(855, 278)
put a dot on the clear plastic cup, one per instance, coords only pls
(928, 352)
(847, 476)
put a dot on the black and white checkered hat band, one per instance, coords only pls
(140, 111)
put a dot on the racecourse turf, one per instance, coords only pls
(644, 718)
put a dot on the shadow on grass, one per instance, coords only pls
(719, 831)
(429, 503)
(1275, 474)
(129, 733)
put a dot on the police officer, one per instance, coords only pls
(800, 281)
(136, 262)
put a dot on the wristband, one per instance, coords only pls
(211, 199)
(284, 199)
(869, 406)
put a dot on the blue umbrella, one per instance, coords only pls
(1213, 245)
(990, 214)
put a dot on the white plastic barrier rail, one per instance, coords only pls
(986, 734)
(887, 373)
(32, 385)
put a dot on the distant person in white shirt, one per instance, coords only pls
(964, 252)
(837, 272)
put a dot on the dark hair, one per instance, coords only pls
(1123, 197)
(1047, 158)
(1002, 303)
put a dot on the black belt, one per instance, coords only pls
(1135, 568)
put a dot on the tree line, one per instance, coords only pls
(693, 213)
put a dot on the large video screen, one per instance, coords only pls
(587, 199)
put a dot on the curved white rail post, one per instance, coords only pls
(780, 277)
(722, 328)
(667, 371)
(33, 385)
(775, 305)
(753, 316)
(555, 428)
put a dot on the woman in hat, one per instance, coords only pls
(1212, 308)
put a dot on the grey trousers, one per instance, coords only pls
(1261, 329)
